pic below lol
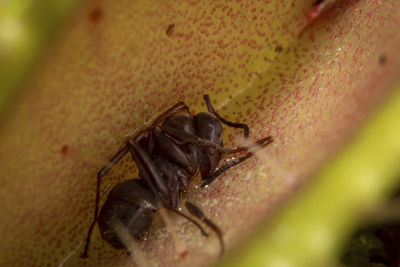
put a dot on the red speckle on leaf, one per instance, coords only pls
(64, 149)
(95, 15)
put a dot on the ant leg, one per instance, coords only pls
(196, 211)
(181, 137)
(149, 171)
(255, 146)
(225, 167)
(264, 142)
(171, 111)
(114, 160)
(211, 109)
(190, 220)
(170, 209)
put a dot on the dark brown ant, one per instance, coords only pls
(169, 153)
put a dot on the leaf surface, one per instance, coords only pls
(307, 81)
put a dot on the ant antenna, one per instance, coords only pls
(196, 211)
(211, 109)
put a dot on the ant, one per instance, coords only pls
(169, 154)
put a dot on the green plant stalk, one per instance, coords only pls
(311, 230)
(25, 29)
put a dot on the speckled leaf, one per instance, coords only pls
(305, 74)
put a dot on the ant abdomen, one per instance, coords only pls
(129, 205)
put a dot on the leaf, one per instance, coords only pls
(309, 82)
(318, 220)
